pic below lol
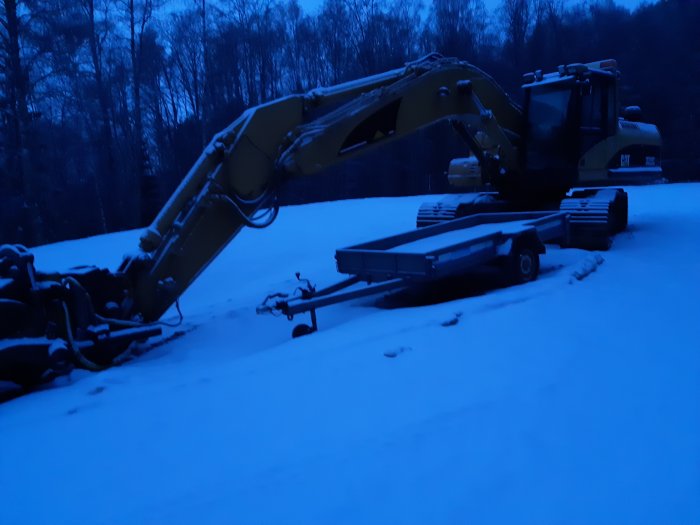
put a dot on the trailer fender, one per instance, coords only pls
(529, 239)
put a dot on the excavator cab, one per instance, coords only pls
(568, 113)
(574, 134)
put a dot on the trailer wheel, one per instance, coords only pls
(301, 330)
(522, 265)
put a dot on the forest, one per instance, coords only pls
(105, 104)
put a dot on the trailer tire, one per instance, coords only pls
(522, 265)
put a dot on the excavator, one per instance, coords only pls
(568, 133)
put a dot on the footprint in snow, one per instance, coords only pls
(97, 390)
(453, 321)
(397, 351)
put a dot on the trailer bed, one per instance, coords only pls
(422, 255)
(446, 240)
(444, 249)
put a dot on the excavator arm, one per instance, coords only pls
(88, 317)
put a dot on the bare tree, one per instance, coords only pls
(139, 14)
(457, 27)
(183, 39)
(18, 177)
(335, 30)
(303, 59)
(516, 21)
(202, 6)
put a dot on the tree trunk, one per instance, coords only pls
(106, 133)
(205, 75)
(139, 150)
(18, 183)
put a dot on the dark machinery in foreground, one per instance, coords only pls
(567, 134)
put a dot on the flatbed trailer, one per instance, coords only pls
(515, 240)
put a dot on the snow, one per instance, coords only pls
(560, 401)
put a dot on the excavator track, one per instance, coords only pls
(460, 205)
(431, 213)
(595, 215)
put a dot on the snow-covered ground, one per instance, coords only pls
(561, 401)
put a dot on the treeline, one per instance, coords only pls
(105, 104)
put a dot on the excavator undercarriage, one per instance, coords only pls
(595, 214)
